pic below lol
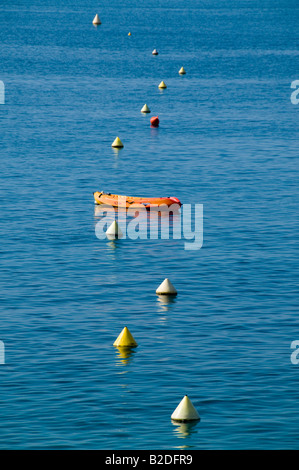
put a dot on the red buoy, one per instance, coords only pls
(155, 121)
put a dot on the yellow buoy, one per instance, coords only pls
(125, 339)
(129, 34)
(166, 288)
(162, 85)
(185, 411)
(96, 20)
(145, 109)
(117, 143)
(182, 71)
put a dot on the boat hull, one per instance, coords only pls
(129, 202)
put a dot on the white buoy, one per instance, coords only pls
(96, 20)
(185, 411)
(145, 109)
(114, 231)
(166, 288)
(155, 52)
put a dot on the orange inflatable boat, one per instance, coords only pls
(116, 200)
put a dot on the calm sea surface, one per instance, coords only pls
(228, 139)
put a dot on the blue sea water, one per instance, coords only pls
(228, 139)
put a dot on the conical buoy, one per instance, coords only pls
(96, 20)
(182, 71)
(117, 143)
(185, 411)
(145, 109)
(166, 288)
(155, 52)
(129, 34)
(125, 339)
(114, 231)
(162, 85)
(155, 121)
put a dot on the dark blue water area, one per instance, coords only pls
(227, 140)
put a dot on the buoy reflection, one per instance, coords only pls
(116, 151)
(166, 302)
(154, 131)
(111, 244)
(125, 355)
(185, 429)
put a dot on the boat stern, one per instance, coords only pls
(175, 200)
